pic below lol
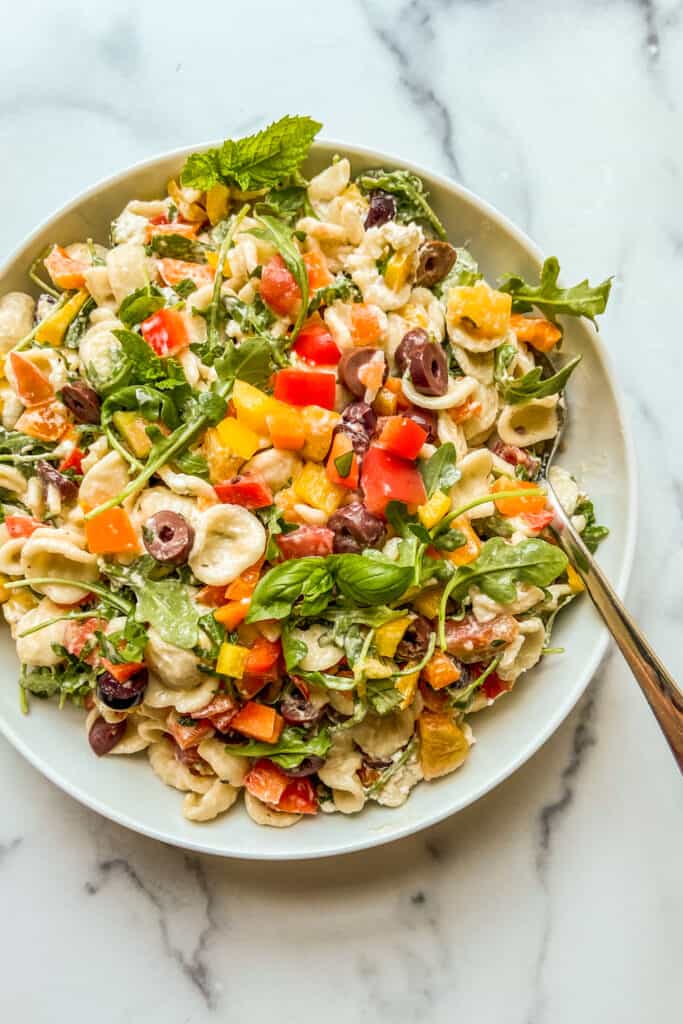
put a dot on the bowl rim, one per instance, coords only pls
(553, 722)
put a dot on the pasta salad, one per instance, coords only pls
(269, 482)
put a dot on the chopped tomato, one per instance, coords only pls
(536, 331)
(232, 613)
(402, 436)
(342, 449)
(21, 526)
(316, 345)
(307, 540)
(250, 491)
(515, 456)
(176, 228)
(160, 218)
(493, 685)
(245, 584)
(318, 274)
(188, 732)
(32, 386)
(278, 288)
(386, 477)
(220, 711)
(263, 656)
(259, 721)
(73, 461)
(366, 327)
(123, 671)
(538, 521)
(46, 422)
(174, 271)
(165, 331)
(306, 387)
(523, 504)
(266, 781)
(298, 798)
(79, 632)
(66, 272)
(111, 533)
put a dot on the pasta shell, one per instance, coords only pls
(207, 806)
(530, 422)
(16, 318)
(49, 552)
(228, 539)
(475, 470)
(36, 649)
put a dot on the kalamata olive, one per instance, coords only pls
(104, 736)
(427, 419)
(434, 260)
(168, 537)
(296, 710)
(381, 209)
(352, 362)
(119, 696)
(83, 402)
(412, 341)
(68, 488)
(429, 370)
(415, 640)
(355, 529)
(362, 414)
(309, 766)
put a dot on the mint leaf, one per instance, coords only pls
(140, 304)
(581, 300)
(201, 170)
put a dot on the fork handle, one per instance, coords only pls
(658, 686)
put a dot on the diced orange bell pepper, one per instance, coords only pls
(174, 271)
(66, 272)
(259, 721)
(111, 533)
(33, 387)
(470, 550)
(188, 734)
(175, 228)
(263, 656)
(365, 324)
(440, 671)
(244, 585)
(318, 274)
(266, 781)
(536, 331)
(341, 449)
(211, 596)
(443, 744)
(286, 428)
(521, 505)
(123, 671)
(470, 407)
(231, 614)
(433, 700)
(48, 421)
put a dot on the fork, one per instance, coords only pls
(658, 686)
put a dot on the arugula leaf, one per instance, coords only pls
(439, 472)
(13, 442)
(282, 237)
(500, 566)
(126, 644)
(140, 304)
(580, 300)
(185, 288)
(192, 463)
(371, 578)
(263, 160)
(502, 359)
(592, 534)
(290, 750)
(465, 271)
(289, 203)
(176, 247)
(462, 698)
(382, 695)
(281, 587)
(250, 361)
(80, 324)
(72, 680)
(167, 607)
(533, 385)
(255, 318)
(144, 366)
(342, 289)
(409, 192)
(215, 633)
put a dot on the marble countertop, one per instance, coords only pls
(557, 897)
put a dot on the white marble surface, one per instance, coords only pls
(558, 897)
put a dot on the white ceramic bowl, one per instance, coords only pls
(598, 451)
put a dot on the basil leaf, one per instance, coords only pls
(580, 300)
(290, 750)
(440, 472)
(263, 160)
(410, 195)
(293, 649)
(370, 579)
(168, 608)
(140, 304)
(342, 289)
(281, 587)
(343, 463)
(282, 237)
(532, 385)
(316, 591)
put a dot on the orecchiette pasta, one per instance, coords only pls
(179, 669)
(528, 423)
(262, 814)
(523, 653)
(474, 482)
(207, 806)
(171, 771)
(228, 539)
(16, 318)
(36, 648)
(52, 553)
(340, 773)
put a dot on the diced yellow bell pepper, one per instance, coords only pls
(480, 309)
(574, 580)
(239, 439)
(52, 329)
(4, 594)
(252, 407)
(389, 636)
(407, 685)
(433, 511)
(223, 464)
(313, 487)
(385, 403)
(470, 550)
(443, 744)
(397, 270)
(427, 603)
(131, 426)
(217, 203)
(318, 424)
(212, 260)
(18, 603)
(231, 660)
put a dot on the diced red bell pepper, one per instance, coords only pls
(266, 781)
(263, 656)
(316, 345)
(189, 735)
(537, 521)
(299, 798)
(73, 461)
(306, 387)
(165, 331)
(220, 711)
(278, 288)
(22, 526)
(493, 685)
(249, 490)
(77, 634)
(402, 436)
(123, 671)
(307, 540)
(386, 477)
